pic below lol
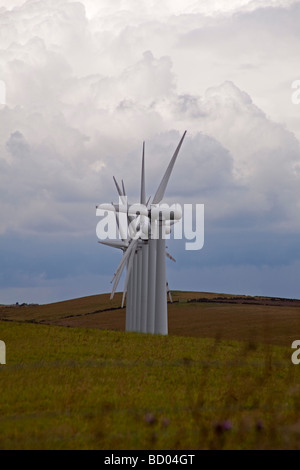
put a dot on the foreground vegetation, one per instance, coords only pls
(75, 388)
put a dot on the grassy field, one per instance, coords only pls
(229, 385)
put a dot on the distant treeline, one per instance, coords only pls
(247, 300)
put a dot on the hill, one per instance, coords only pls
(195, 314)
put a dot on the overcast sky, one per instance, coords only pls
(83, 84)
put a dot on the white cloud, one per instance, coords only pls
(87, 82)
(80, 128)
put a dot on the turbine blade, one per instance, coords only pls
(169, 292)
(170, 257)
(163, 184)
(128, 272)
(123, 187)
(123, 235)
(129, 218)
(118, 187)
(143, 190)
(114, 243)
(121, 266)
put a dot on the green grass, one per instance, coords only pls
(74, 388)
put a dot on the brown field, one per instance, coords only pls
(194, 314)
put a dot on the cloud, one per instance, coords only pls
(86, 83)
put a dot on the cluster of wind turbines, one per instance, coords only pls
(144, 255)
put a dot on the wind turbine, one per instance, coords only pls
(144, 256)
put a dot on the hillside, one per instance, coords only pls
(194, 314)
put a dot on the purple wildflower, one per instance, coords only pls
(150, 418)
(165, 422)
(259, 425)
(223, 426)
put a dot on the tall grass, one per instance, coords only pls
(87, 389)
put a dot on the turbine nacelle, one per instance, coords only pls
(164, 212)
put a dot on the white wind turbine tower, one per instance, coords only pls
(144, 254)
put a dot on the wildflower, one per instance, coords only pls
(223, 426)
(165, 422)
(227, 426)
(150, 418)
(259, 425)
